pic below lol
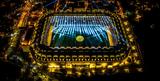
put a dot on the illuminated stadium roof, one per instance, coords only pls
(59, 33)
(62, 31)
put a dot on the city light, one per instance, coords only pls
(133, 47)
(68, 65)
(79, 73)
(127, 29)
(110, 66)
(103, 70)
(69, 72)
(125, 23)
(140, 69)
(126, 70)
(104, 65)
(92, 66)
(53, 65)
(115, 64)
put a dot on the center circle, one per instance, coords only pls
(79, 38)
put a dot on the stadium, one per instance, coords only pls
(56, 40)
(84, 40)
(101, 39)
